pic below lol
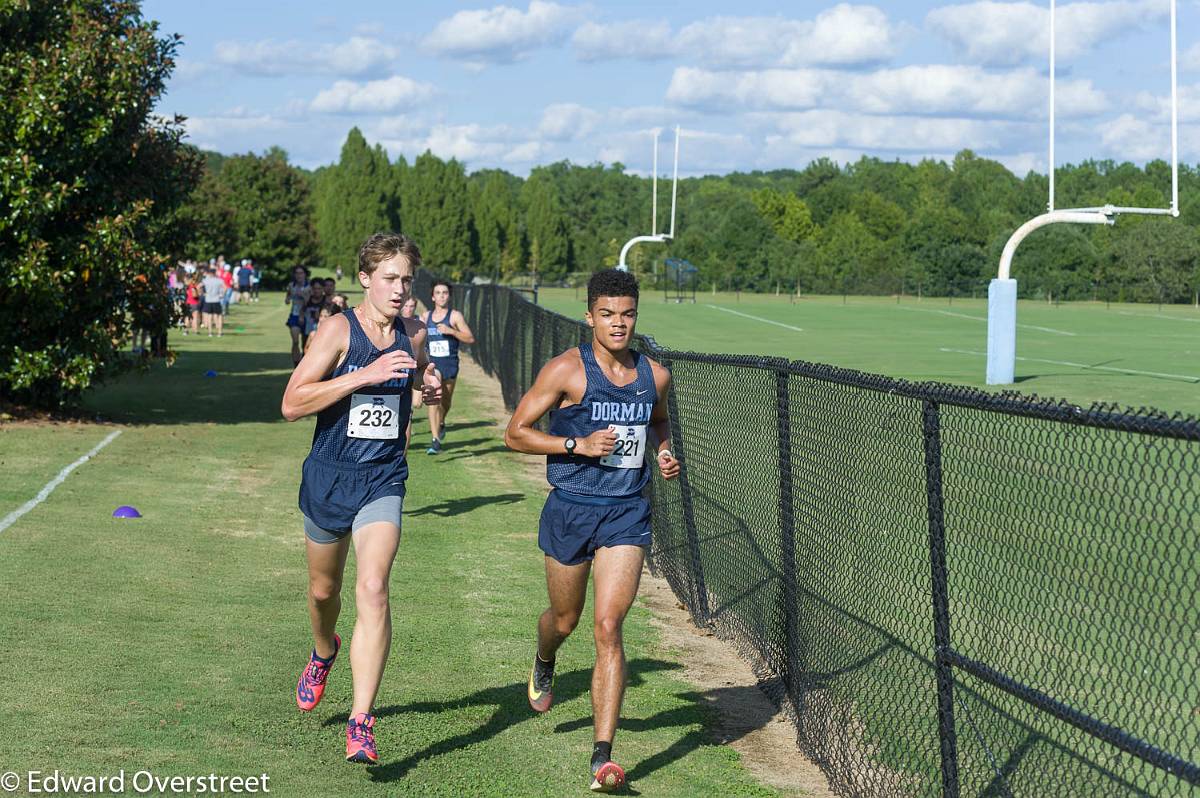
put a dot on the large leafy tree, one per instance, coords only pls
(89, 180)
(257, 206)
(870, 226)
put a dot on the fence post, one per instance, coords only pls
(941, 598)
(787, 537)
(700, 611)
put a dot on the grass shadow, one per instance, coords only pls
(453, 507)
(511, 707)
(247, 388)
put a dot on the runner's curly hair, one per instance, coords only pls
(611, 282)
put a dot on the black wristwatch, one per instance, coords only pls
(569, 445)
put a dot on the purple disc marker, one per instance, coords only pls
(125, 511)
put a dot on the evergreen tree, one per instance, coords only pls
(495, 213)
(438, 215)
(549, 237)
(355, 199)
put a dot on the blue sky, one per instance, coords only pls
(754, 85)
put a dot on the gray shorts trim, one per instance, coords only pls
(387, 508)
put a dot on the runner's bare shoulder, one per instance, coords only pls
(561, 371)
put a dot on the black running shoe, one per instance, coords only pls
(541, 683)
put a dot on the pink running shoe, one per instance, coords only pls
(311, 686)
(360, 740)
(609, 777)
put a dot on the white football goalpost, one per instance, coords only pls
(655, 236)
(1002, 292)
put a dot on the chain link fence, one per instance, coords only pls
(950, 592)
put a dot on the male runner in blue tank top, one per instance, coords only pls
(358, 376)
(607, 406)
(445, 329)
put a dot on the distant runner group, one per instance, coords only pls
(363, 375)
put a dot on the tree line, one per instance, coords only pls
(867, 227)
(99, 197)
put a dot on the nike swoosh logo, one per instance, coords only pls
(639, 393)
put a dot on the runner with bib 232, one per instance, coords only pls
(357, 376)
(607, 407)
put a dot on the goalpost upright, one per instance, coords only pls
(1002, 292)
(655, 236)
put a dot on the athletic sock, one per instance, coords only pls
(601, 753)
(543, 666)
(324, 660)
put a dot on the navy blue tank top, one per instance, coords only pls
(331, 441)
(628, 408)
(436, 343)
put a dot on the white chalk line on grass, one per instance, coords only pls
(1188, 377)
(12, 517)
(756, 318)
(1157, 316)
(984, 318)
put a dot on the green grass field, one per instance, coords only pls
(1084, 352)
(172, 643)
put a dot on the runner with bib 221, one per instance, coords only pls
(607, 407)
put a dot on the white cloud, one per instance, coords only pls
(1130, 138)
(466, 142)
(842, 35)
(1022, 163)
(644, 40)
(739, 41)
(187, 70)
(970, 91)
(1158, 107)
(1008, 33)
(238, 119)
(1189, 59)
(376, 96)
(572, 122)
(356, 56)
(932, 90)
(235, 130)
(831, 129)
(502, 34)
(772, 88)
(701, 152)
(527, 153)
(566, 121)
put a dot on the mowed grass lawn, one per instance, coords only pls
(1083, 352)
(172, 643)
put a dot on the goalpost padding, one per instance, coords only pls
(1002, 331)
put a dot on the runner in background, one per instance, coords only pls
(446, 329)
(214, 290)
(243, 281)
(255, 279)
(296, 294)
